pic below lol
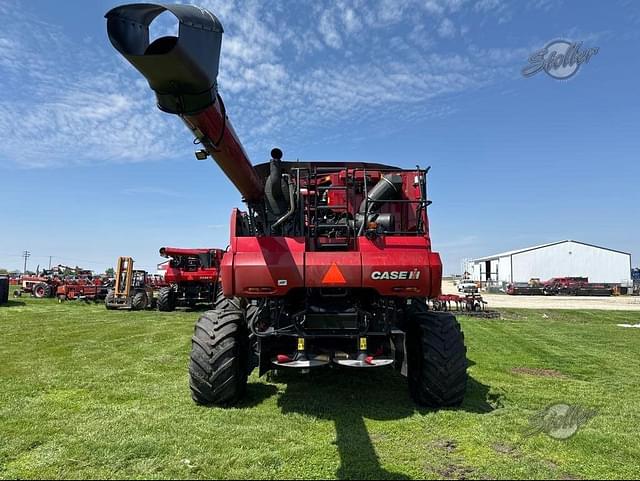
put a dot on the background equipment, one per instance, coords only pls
(131, 289)
(191, 275)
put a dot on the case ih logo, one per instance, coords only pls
(395, 275)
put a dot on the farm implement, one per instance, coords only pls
(562, 286)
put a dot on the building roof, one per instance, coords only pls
(526, 249)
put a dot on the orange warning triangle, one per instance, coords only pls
(333, 276)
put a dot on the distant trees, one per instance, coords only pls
(110, 272)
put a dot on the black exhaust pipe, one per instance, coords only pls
(182, 70)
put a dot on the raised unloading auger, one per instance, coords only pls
(183, 72)
(332, 263)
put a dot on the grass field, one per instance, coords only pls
(90, 393)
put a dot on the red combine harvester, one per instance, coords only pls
(192, 277)
(331, 263)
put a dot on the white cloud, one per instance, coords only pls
(446, 29)
(328, 31)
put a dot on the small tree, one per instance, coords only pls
(3, 272)
(110, 272)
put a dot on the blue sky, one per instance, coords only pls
(90, 169)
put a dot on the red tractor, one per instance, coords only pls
(191, 275)
(330, 264)
(39, 286)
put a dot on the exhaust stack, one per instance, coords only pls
(183, 72)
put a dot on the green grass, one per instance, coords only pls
(90, 393)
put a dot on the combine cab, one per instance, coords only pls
(192, 277)
(132, 289)
(330, 264)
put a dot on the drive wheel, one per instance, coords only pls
(108, 301)
(40, 290)
(220, 355)
(436, 357)
(139, 301)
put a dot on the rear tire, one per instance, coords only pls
(40, 290)
(166, 299)
(436, 357)
(218, 369)
(139, 301)
(108, 301)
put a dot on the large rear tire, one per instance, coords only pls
(166, 299)
(139, 301)
(40, 290)
(108, 301)
(436, 357)
(219, 355)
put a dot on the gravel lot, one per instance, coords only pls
(616, 303)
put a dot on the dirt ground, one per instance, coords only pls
(616, 303)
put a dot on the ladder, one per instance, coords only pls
(315, 211)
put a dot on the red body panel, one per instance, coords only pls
(263, 266)
(272, 266)
(409, 257)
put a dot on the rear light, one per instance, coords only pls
(283, 358)
(406, 289)
(256, 290)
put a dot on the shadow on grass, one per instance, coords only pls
(13, 304)
(198, 308)
(347, 397)
(257, 392)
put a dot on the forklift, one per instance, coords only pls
(131, 290)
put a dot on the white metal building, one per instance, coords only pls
(567, 258)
